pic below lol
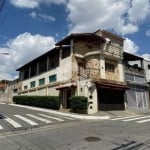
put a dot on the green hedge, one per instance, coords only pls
(51, 102)
(78, 104)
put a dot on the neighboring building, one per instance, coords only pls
(147, 70)
(3, 90)
(86, 64)
(12, 90)
(137, 95)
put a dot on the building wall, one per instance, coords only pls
(137, 94)
(147, 70)
(82, 47)
(63, 73)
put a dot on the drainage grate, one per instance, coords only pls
(92, 139)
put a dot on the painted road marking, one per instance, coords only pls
(137, 118)
(121, 118)
(26, 120)
(12, 122)
(1, 128)
(58, 119)
(142, 121)
(39, 118)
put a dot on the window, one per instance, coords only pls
(26, 73)
(33, 70)
(149, 66)
(42, 81)
(65, 52)
(32, 84)
(109, 67)
(42, 66)
(25, 87)
(53, 78)
(53, 60)
(81, 68)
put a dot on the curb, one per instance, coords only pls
(77, 116)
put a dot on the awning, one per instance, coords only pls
(66, 85)
(110, 85)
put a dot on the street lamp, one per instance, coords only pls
(4, 53)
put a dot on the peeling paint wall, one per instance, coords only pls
(83, 47)
(93, 66)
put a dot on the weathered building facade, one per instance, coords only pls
(137, 95)
(86, 64)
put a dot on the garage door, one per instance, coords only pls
(110, 99)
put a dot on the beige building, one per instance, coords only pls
(84, 64)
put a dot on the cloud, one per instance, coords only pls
(139, 10)
(22, 49)
(41, 16)
(35, 3)
(146, 56)
(25, 3)
(148, 32)
(130, 46)
(120, 16)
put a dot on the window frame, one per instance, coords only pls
(110, 67)
(53, 80)
(32, 84)
(41, 81)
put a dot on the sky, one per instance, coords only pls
(29, 28)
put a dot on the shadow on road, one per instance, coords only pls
(133, 145)
(2, 117)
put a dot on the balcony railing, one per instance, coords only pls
(113, 50)
(134, 70)
(90, 73)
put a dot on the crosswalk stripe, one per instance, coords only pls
(26, 120)
(12, 122)
(1, 128)
(137, 118)
(142, 121)
(58, 119)
(121, 118)
(39, 118)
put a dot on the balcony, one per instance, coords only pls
(112, 50)
(134, 70)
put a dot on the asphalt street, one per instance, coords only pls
(120, 133)
(14, 118)
(85, 135)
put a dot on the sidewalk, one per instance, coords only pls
(68, 114)
(101, 115)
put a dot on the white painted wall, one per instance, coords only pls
(63, 72)
(147, 71)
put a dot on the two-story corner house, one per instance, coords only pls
(137, 95)
(83, 64)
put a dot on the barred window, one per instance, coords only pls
(109, 67)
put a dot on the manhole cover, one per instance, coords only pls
(92, 139)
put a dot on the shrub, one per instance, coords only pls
(78, 104)
(51, 102)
